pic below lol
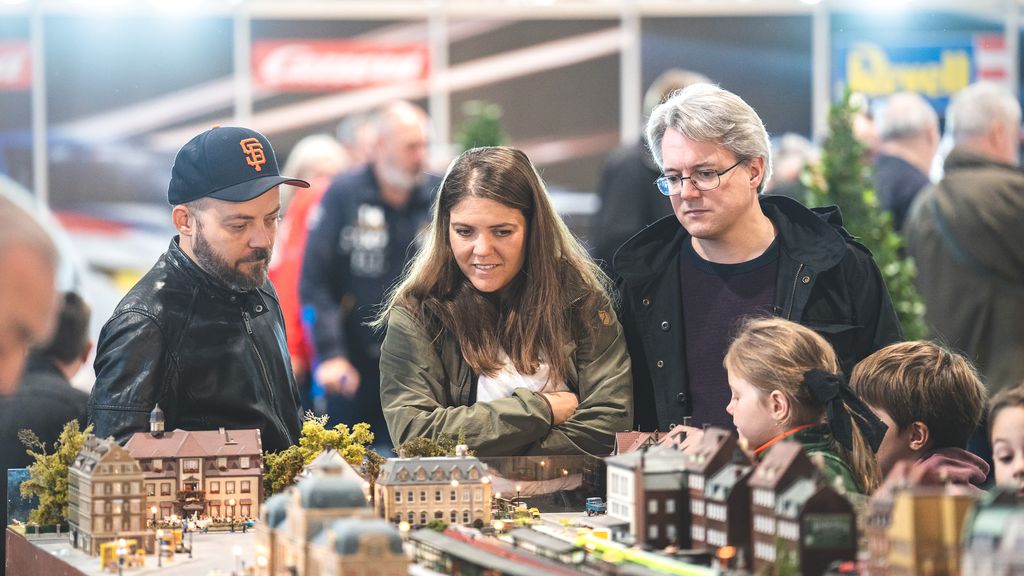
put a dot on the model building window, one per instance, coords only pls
(670, 506)
(398, 496)
(246, 510)
(190, 465)
(108, 525)
(465, 516)
(474, 474)
(108, 488)
(652, 506)
(246, 486)
(423, 495)
(465, 494)
(437, 495)
(229, 487)
(670, 532)
(215, 509)
(214, 487)
(478, 494)
(421, 474)
(437, 474)
(409, 497)
(403, 475)
(150, 489)
(454, 495)
(222, 462)
(107, 507)
(423, 517)
(243, 462)
(454, 517)
(126, 488)
(126, 524)
(158, 464)
(652, 532)
(412, 517)
(456, 474)
(165, 488)
(438, 515)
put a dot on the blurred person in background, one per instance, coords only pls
(359, 242)
(791, 153)
(201, 334)
(28, 293)
(357, 133)
(966, 238)
(46, 400)
(629, 174)
(908, 129)
(315, 159)
(28, 302)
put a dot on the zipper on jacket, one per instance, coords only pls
(263, 370)
(792, 293)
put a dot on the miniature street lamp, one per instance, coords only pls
(499, 526)
(403, 529)
(231, 513)
(564, 472)
(159, 548)
(455, 483)
(519, 488)
(152, 510)
(190, 544)
(122, 551)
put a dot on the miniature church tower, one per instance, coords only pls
(156, 422)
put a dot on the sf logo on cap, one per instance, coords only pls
(254, 156)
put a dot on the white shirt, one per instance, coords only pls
(507, 379)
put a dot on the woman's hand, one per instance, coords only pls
(563, 405)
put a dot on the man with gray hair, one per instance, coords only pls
(729, 253)
(28, 293)
(909, 131)
(966, 237)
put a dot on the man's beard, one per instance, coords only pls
(232, 275)
(396, 177)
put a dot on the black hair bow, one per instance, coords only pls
(832, 391)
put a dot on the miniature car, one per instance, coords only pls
(596, 505)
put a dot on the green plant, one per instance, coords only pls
(428, 447)
(281, 468)
(481, 126)
(843, 179)
(48, 475)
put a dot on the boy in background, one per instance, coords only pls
(932, 401)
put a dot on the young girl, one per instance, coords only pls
(1006, 419)
(784, 386)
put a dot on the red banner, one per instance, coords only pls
(331, 65)
(15, 66)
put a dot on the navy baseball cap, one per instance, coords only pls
(226, 163)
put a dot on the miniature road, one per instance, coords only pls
(213, 554)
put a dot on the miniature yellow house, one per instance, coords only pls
(105, 496)
(456, 490)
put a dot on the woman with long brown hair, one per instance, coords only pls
(502, 329)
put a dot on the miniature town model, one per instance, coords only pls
(324, 525)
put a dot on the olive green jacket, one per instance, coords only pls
(426, 386)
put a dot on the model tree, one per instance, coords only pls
(48, 475)
(482, 126)
(843, 179)
(430, 448)
(281, 468)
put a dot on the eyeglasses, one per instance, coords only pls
(704, 180)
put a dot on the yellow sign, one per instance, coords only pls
(870, 71)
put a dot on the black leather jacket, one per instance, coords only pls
(210, 356)
(826, 281)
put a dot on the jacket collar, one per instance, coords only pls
(177, 258)
(811, 237)
(961, 158)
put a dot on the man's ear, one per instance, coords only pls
(778, 406)
(756, 169)
(184, 220)
(919, 437)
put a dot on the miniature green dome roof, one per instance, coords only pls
(331, 492)
(276, 509)
(349, 532)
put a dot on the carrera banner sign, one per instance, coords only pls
(296, 65)
(15, 66)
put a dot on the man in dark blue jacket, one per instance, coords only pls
(685, 288)
(359, 242)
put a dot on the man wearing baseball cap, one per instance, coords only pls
(201, 334)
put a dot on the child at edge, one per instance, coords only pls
(785, 386)
(1006, 418)
(932, 400)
